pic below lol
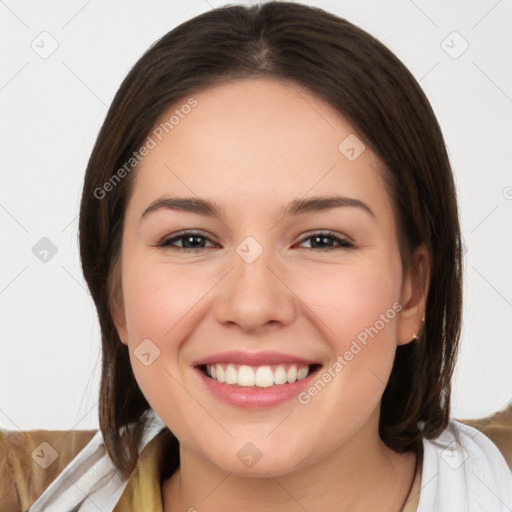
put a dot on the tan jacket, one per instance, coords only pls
(23, 476)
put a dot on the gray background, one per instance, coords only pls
(52, 106)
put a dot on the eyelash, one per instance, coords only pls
(343, 242)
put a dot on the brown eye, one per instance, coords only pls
(190, 241)
(328, 240)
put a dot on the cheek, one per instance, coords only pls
(158, 305)
(157, 298)
(350, 299)
(358, 308)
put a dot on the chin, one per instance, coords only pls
(246, 459)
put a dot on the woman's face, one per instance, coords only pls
(258, 279)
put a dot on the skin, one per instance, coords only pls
(252, 146)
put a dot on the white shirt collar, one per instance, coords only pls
(90, 481)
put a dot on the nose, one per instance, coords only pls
(254, 296)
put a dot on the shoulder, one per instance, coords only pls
(31, 460)
(463, 468)
(99, 481)
(498, 428)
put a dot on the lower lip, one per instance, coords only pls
(254, 397)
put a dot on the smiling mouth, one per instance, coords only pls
(263, 376)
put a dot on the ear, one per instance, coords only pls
(414, 297)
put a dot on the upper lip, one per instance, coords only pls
(252, 358)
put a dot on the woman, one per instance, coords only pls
(269, 230)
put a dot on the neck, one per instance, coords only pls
(362, 474)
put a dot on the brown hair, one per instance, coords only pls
(366, 83)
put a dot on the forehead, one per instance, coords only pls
(257, 139)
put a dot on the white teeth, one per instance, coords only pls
(264, 377)
(245, 376)
(291, 374)
(260, 376)
(280, 375)
(231, 375)
(220, 373)
(302, 373)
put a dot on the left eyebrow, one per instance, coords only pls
(294, 208)
(321, 203)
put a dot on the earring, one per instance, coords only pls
(414, 336)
